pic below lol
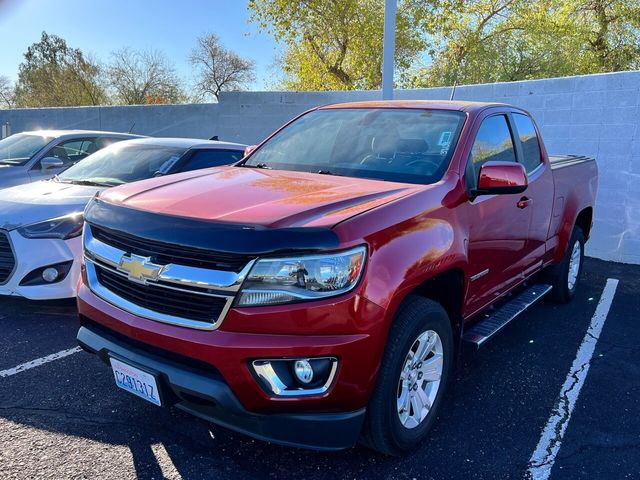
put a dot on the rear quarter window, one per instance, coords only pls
(211, 158)
(529, 141)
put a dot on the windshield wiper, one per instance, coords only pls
(257, 165)
(327, 172)
(88, 183)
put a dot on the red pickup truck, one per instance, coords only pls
(317, 292)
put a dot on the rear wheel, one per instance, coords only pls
(414, 372)
(565, 276)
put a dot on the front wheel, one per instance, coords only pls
(565, 276)
(414, 372)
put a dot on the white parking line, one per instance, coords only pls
(39, 361)
(544, 456)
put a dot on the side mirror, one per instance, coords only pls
(249, 149)
(48, 163)
(498, 178)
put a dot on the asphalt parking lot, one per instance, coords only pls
(66, 418)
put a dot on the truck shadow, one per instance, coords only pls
(164, 442)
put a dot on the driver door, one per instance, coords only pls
(498, 227)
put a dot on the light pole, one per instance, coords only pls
(388, 48)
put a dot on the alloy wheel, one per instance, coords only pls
(420, 379)
(574, 266)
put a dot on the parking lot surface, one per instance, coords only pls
(65, 418)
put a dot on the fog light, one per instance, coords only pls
(50, 274)
(296, 376)
(304, 371)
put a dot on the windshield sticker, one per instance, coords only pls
(445, 139)
(166, 166)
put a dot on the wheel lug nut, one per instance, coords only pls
(419, 375)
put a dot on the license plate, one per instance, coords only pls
(136, 381)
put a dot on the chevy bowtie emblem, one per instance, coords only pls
(139, 269)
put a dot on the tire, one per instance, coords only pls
(384, 430)
(560, 275)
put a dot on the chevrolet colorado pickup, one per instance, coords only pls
(317, 292)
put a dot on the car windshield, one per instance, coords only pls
(122, 163)
(394, 144)
(18, 149)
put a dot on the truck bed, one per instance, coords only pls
(561, 161)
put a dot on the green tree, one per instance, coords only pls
(505, 40)
(610, 30)
(56, 75)
(488, 41)
(336, 44)
(143, 77)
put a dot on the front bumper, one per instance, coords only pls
(203, 392)
(350, 329)
(31, 254)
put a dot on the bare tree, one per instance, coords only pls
(142, 77)
(218, 68)
(7, 93)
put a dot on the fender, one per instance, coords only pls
(574, 202)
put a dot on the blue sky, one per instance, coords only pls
(102, 26)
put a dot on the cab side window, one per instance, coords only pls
(493, 143)
(529, 140)
(73, 151)
(211, 158)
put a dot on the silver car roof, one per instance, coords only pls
(186, 143)
(80, 133)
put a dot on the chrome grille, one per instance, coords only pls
(163, 299)
(165, 254)
(7, 259)
(174, 293)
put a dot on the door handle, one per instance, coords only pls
(524, 202)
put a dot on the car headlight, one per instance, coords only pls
(66, 227)
(274, 281)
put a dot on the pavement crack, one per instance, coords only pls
(562, 409)
(582, 448)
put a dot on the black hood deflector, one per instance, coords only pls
(206, 234)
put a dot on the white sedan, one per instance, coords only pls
(41, 223)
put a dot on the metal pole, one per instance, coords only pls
(388, 49)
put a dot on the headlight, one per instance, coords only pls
(66, 227)
(274, 281)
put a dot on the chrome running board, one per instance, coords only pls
(487, 327)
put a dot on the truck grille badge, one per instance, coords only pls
(139, 269)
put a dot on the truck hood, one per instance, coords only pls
(39, 201)
(260, 197)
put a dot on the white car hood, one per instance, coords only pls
(39, 201)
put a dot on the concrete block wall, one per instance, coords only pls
(597, 115)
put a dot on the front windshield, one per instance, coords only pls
(18, 149)
(121, 163)
(394, 144)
